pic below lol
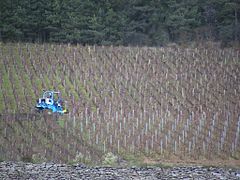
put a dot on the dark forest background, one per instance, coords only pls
(120, 22)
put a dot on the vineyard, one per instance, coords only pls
(160, 102)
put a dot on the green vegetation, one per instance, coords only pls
(1, 100)
(166, 103)
(7, 91)
(71, 88)
(25, 77)
(110, 159)
(61, 123)
(133, 159)
(38, 158)
(81, 158)
(139, 22)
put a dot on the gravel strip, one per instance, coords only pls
(21, 170)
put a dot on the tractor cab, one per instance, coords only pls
(48, 97)
(51, 101)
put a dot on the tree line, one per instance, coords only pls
(120, 22)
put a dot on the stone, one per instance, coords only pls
(20, 170)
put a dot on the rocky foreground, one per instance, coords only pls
(20, 170)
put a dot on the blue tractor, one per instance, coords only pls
(51, 101)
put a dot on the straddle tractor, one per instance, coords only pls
(51, 101)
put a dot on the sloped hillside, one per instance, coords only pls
(164, 102)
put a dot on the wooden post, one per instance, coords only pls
(161, 147)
